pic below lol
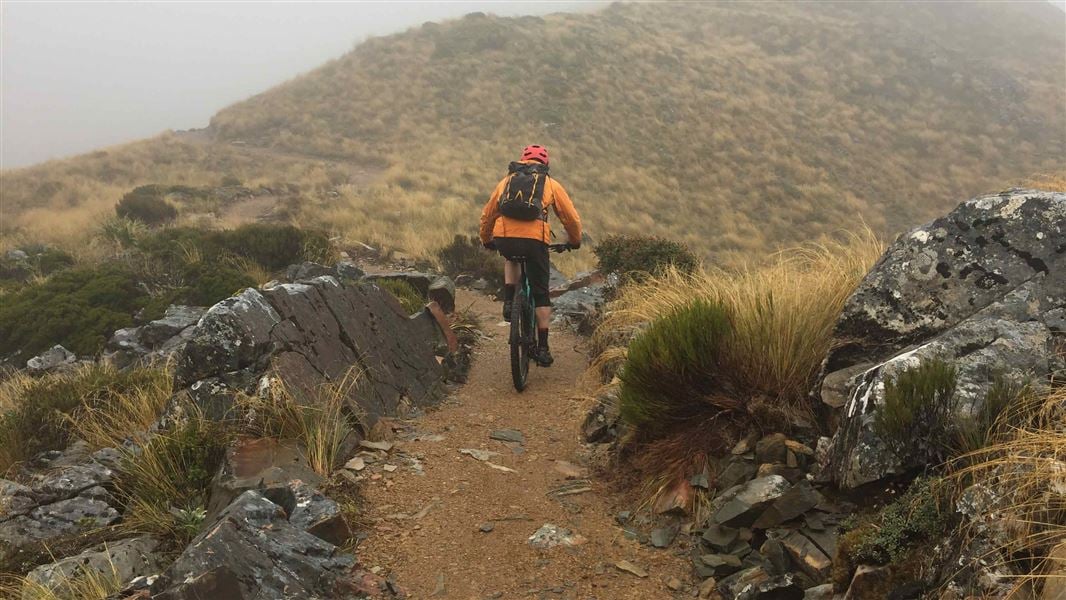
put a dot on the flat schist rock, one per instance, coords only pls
(252, 551)
(317, 330)
(983, 289)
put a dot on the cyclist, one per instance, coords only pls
(515, 222)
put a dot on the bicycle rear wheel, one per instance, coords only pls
(520, 325)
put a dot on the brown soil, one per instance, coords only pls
(426, 527)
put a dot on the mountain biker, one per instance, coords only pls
(528, 187)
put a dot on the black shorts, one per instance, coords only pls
(538, 266)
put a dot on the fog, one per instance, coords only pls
(79, 76)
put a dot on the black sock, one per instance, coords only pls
(542, 337)
(508, 292)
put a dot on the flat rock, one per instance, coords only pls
(742, 505)
(550, 536)
(123, 560)
(252, 551)
(507, 435)
(628, 567)
(807, 555)
(799, 499)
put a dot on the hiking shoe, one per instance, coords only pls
(543, 357)
(507, 306)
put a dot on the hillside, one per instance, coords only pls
(735, 127)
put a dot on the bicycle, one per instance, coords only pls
(523, 338)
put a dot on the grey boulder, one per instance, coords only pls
(983, 288)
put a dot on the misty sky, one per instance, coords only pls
(78, 76)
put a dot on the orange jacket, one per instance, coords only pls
(495, 225)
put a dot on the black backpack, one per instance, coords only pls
(523, 197)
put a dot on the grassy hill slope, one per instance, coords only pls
(735, 127)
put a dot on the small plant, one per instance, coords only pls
(147, 205)
(409, 298)
(318, 418)
(637, 256)
(465, 256)
(44, 413)
(165, 484)
(920, 514)
(916, 417)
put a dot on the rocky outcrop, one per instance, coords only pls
(156, 340)
(983, 288)
(312, 332)
(56, 357)
(124, 561)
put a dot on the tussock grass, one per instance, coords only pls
(127, 414)
(1025, 469)
(782, 312)
(164, 483)
(99, 401)
(708, 356)
(319, 418)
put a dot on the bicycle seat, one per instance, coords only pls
(517, 258)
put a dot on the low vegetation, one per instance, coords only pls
(638, 256)
(136, 274)
(45, 413)
(896, 534)
(465, 256)
(82, 584)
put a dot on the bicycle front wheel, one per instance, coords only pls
(519, 344)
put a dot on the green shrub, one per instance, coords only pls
(635, 256)
(78, 308)
(122, 232)
(147, 205)
(40, 409)
(40, 261)
(271, 246)
(164, 486)
(672, 368)
(409, 298)
(465, 256)
(916, 418)
(919, 515)
(208, 283)
(276, 246)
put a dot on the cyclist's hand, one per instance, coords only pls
(490, 245)
(574, 245)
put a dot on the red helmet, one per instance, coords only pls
(537, 153)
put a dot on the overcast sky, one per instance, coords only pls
(78, 76)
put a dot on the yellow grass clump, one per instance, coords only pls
(318, 418)
(1024, 472)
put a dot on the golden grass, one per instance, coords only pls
(127, 415)
(1026, 469)
(318, 419)
(84, 584)
(782, 311)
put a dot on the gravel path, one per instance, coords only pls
(428, 520)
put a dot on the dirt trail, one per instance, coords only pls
(426, 526)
